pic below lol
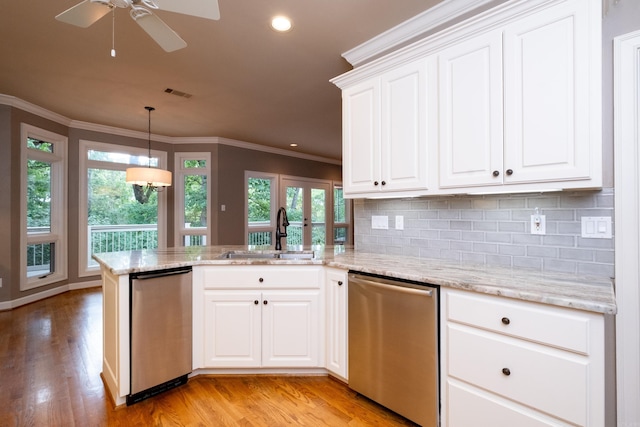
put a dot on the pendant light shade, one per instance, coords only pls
(147, 179)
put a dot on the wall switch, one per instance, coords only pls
(399, 222)
(223, 208)
(0, 282)
(538, 224)
(380, 222)
(596, 227)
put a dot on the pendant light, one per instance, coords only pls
(147, 180)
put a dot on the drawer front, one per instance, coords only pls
(550, 380)
(263, 276)
(471, 407)
(559, 327)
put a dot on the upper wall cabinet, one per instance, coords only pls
(384, 133)
(510, 100)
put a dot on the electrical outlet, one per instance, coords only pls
(0, 282)
(538, 224)
(399, 222)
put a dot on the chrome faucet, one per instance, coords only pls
(285, 224)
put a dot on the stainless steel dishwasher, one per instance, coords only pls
(393, 345)
(161, 331)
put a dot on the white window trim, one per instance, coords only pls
(83, 220)
(58, 234)
(179, 173)
(274, 177)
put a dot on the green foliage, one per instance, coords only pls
(259, 199)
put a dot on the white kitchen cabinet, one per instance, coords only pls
(543, 131)
(337, 345)
(259, 316)
(509, 101)
(551, 77)
(507, 362)
(385, 132)
(470, 107)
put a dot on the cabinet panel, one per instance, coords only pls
(404, 142)
(291, 330)
(547, 87)
(232, 328)
(263, 276)
(336, 291)
(470, 108)
(552, 381)
(361, 137)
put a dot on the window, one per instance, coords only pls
(341, 217)
(43, 206)
(262, 193)
(192, 181)
(110, 218)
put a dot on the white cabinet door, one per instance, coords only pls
(404, 128)
(361, 137)
(336, 291)
(291, 328)
(470, 107)
(548, 90)
(232, 328)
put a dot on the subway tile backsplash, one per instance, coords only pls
(493, 230)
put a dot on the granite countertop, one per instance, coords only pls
(594, 294)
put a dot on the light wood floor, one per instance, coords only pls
(50, 363)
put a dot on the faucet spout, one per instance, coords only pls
(282, 216)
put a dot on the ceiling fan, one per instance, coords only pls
(89, 11)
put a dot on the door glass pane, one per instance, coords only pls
(116, 221)
(38, 196)
(195, 201)
(295, 214)
(40, 259)
(259, 202)
(318, 216)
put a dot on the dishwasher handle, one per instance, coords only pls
(396, 286)
(156, 274)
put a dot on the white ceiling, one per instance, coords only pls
(248, 82)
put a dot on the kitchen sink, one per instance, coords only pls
(290, 255)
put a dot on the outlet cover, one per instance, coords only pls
(399, 222)
(596, 227)
(538, 224)
(380, 222)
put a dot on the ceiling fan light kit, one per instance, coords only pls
(87, 12)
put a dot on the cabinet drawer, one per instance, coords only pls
(471, 407)
(263, 276)
(559, 327)
(551, 380)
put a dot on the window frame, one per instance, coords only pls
(347, 214)
(59, 208)
(180, 172)
(83, 165)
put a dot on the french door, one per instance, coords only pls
(308, 206)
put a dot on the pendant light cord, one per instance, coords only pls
(149, 109)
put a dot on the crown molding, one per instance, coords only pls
(411, 29)
(18, 103)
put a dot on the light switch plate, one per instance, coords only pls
(596, 227)
(380, 222)
(399, 222)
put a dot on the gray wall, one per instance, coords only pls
(493, 230)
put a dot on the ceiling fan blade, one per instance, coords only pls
(207, 9)
(168, 39)
(84, 14)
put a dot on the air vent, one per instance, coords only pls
(178, 93)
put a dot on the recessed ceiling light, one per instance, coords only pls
(281, 23)
(293, 145)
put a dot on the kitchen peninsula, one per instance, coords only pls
(555, 321)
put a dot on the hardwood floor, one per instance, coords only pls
(50, 363)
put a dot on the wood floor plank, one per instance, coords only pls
(50, 364)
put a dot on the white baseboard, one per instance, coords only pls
(10, 305)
